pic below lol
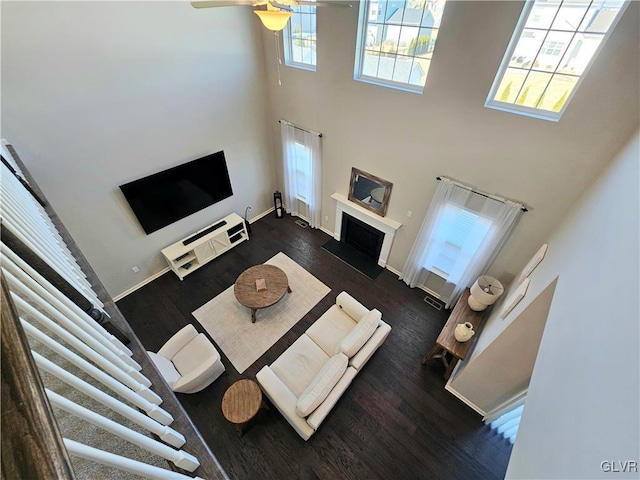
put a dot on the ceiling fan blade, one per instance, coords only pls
(281, 6)
(324, 4)
(230, 3)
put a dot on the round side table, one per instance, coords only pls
(241, 403)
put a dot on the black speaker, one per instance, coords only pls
(277, 204)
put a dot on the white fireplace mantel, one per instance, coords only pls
(384, 224)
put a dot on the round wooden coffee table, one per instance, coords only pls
(241, 403)
(245, 287)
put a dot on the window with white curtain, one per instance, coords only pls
(460, 236)
(300, 38)
(302, 166)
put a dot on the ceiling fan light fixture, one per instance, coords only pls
(273, 20)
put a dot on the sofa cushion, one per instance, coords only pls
(299, 364)
(322, 384)
(351, 306)
(195, 353)
(166, 368)
(362, 332)
(329, 330)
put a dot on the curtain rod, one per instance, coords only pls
(299, 128)
(498, 199)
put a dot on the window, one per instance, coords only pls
(300, 38)
(303, 170)
(461, 234)
(396, 41)
(458, 234)
(552, 48)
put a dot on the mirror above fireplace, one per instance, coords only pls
(369, 191)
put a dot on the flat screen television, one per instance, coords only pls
(168, 196)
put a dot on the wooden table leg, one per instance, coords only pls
(432, 353)
(450, 367)
(253, 315)
(288, 289)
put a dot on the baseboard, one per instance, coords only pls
(327, 231)
(421, 287)
(462, 398)
(263, 214)
(399, 273)
(393, 270)
(322, 229)
(141, 284)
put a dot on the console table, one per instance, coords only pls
(189, 254)
(447, 343)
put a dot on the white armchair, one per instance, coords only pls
(188, 361)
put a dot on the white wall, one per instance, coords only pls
(492, 376)
(583, 403)
(410, 139)
(96, 94)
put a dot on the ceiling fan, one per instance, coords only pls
(277, 13)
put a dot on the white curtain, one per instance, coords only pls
(414, 272)
(288, 135)
(314, 200)
(307, 170)
(494, 221)
(503, 216)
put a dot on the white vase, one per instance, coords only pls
(463, 332)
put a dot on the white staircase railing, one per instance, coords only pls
(53, 296)
(179, 458)
(166, 434)
(108, 381)
(29, 222)
(89, 375)
(122, 463)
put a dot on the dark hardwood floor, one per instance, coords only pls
(395, 421)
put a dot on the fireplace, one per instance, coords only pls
(361, 236)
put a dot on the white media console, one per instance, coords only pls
(205, 245)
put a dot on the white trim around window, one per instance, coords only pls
(401, 40)
(299, 39)
(507, 96)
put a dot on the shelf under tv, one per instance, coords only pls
(218, 237)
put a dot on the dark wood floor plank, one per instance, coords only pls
(396, 420)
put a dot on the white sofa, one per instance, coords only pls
(306, 381)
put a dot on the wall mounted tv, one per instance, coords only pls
(168, 196)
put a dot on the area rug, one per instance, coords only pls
(243, 342)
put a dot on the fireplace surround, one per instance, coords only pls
(385, 225)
